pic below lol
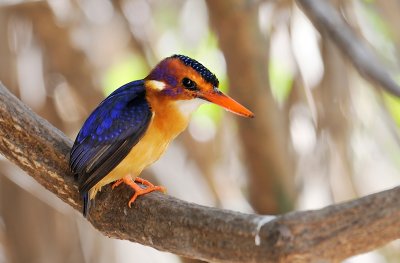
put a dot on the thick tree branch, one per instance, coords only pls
(169, 224)
(330, 24)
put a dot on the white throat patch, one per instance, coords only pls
(187, 107)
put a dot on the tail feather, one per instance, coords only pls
(86, 204)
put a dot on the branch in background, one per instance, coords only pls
(61, 53)
(271, 182)
(330, 24)
(191, 230)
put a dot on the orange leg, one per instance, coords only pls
(127, 179)
(117, 183)
(143, 181)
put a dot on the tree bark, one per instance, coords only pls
(191, 230)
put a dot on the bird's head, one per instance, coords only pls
(187, 81)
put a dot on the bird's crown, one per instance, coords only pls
(200, 68)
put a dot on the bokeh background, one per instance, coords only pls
(322, 134)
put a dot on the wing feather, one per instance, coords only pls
(109, 134)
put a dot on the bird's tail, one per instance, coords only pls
(86, 203)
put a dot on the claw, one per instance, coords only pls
(144, 191)
(138, 190)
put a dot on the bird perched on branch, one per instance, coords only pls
(133, 126)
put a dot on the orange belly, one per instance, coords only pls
(166, 124)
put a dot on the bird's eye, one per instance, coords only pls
(189, 84)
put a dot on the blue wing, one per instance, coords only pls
(109, 134)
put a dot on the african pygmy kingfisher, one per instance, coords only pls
(133, 126)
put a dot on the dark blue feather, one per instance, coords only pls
(86, 203)
(202, 70)
(109, 134)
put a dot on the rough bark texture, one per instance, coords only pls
(169, 224)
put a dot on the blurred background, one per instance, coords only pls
(322, 134)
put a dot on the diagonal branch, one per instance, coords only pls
(330, 24)
(169, 224)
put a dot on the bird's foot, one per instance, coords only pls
(117, 183)
(149, 184)
(144, 191)
(138, 190)
(143, 181)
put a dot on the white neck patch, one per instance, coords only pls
(156, 85)
(187, 107)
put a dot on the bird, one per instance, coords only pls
(133, 126)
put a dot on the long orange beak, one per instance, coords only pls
(219, 98)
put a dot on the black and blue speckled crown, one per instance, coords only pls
(202, 70)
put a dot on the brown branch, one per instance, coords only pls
(271, 187)
(169, 224)
(330, 24)
(59, 51)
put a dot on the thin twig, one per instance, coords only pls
(332, 25)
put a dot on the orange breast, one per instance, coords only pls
(166, 124)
